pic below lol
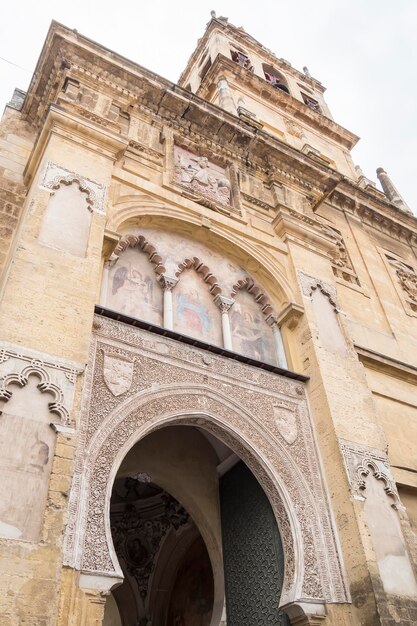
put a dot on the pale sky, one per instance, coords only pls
(363, 51)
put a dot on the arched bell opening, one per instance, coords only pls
(194, 534)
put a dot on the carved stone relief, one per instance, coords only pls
(407, 279)
(117, 374)
(55, 175)
(56, 376)
(341, 262)
(294, 129)
(285, 420)
(201, 176)
(34, 391)
(175, 383)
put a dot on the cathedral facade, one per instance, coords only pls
(207, 356)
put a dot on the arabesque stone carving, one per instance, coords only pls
(309, 284)
(360, 461)
(237, 403)
(57, 377)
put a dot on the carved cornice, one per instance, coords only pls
(374, 210)
(166, 102)
(307, 230)
(83, 132)
(388, 365)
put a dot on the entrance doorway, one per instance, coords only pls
(195, 536)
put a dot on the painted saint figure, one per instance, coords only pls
(192, 313)
(132, 290)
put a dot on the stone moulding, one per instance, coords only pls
(56, 376)
(55, 175)
(290, 474)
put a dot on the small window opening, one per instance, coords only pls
(310, 102)
(241, 59)
(273, 77)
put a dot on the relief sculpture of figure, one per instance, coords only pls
(199, 174)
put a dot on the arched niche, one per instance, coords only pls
(195, 312)
(252, 336)
(132, 287)
(27, 444)
(179, 264)
(67, 219)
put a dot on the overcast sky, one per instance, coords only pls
(363, 51)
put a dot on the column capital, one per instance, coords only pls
(167, 282)
(224, 304)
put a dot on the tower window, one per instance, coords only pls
(310, 102)
(273, 77)
(241, 59)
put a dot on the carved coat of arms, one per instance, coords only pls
(117, 374)
(286, 421)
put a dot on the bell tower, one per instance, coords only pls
(234, 71)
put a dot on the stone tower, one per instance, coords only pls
(207, 358)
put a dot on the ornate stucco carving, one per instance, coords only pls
(309, 284)
(56, 175)
(341, 262)
(407, 279)
(56, 376)
(294, 129)
(176, 383)
(359, 462)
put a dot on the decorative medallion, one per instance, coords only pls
(285, 421)
(117, 374)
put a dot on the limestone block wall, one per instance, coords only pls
(16, 142)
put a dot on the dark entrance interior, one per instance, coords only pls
(172, 575)
(168, 575)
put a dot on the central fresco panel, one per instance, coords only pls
(150, 258)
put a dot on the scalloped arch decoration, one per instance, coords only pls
(55, 175)
(202, 269)
(131, 241)
(132, 210)
(45, 386)
(260, 297)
